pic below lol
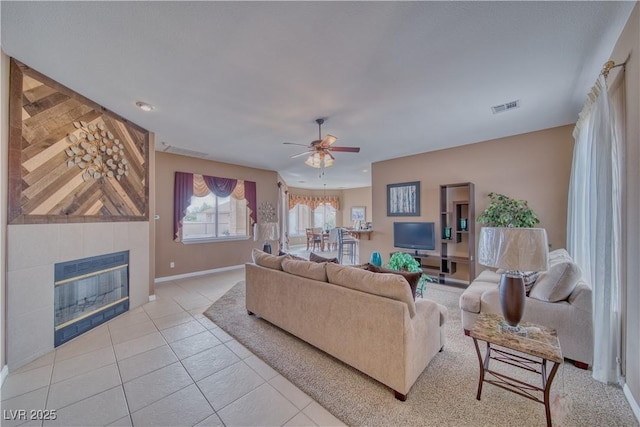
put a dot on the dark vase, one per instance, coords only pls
(512, 298)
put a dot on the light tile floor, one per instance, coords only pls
(162, 364)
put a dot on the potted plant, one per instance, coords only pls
(503, 211)
(402, 261)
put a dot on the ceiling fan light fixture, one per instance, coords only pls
(319, 160)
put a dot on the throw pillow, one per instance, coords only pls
(411, 278)
(317, 258)
(529, 278)
(264, 259)
(291, 256)
(557, 283)
(559, 255)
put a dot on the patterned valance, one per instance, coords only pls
(313, 201)
(221, 187)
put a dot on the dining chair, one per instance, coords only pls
(314, 240)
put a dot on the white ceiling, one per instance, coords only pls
(236, 79)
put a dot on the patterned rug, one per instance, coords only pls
(444, 395)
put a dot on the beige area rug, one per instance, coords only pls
(444, 395)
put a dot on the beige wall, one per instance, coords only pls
(533, 166)
(356, 197)
(152, 211)
(4, 148)
(628, 46)
(202, 256)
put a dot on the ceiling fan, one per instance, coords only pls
(320, 150)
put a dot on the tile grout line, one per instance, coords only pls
(195, 382)
(266, 381)
(126, 401)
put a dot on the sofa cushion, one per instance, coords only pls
(308, 269)
(411, 278)
(267, 260)
(557, 283)
(391, 286)
(317, 258)
(470, 298)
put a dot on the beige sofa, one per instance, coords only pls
(367, 320)
(559, 299)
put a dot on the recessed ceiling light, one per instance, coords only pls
(365, 170)
(144, 106)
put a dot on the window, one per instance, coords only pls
(301, 218)
(324, 216)
(213, 218)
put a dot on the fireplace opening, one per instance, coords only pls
(88, 292)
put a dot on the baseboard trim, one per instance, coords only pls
(632, 402)
(3, 374)
(197, 273)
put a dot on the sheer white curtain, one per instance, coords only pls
(594, 221)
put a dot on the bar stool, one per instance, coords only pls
(347, 245)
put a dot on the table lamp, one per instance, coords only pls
(266, 231)
(514, 250)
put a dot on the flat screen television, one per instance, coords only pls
(414, 235)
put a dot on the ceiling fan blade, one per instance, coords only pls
(328, 140)
(330, 155)
(300, 154)
(295, 143)
(345, 149)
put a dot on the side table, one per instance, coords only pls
(539, 342)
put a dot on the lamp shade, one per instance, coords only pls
(514, 249)
(266, 231)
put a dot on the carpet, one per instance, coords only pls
(443, 395)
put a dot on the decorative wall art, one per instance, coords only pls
(70, 159)
(358, 213)
(266, 212)
(403, 199)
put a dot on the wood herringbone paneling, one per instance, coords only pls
(71, 159)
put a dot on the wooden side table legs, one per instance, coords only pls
(512, 384)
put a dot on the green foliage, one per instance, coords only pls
(402, 261)
(503, 211)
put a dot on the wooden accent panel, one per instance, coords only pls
(48, 181)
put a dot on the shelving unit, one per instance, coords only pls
(457, 233)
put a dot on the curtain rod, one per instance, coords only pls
(609, 65)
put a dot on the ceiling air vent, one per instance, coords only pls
(505, 107)
(183, 151)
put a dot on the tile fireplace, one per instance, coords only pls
(88, 292)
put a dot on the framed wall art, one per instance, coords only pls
(403, 199)
(358, 213)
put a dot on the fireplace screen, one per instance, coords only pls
(89, 292)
